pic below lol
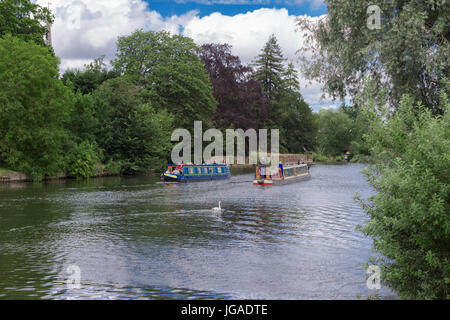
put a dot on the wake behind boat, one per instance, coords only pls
(195, 172)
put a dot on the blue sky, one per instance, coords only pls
(177, 7)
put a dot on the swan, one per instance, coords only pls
(219, 208)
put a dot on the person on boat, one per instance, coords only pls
(280, 166)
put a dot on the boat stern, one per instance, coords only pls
(167, 177)
(262, 182)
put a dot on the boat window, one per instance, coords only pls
(191, 170)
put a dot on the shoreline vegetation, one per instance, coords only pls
(7, 175)
(393, 83)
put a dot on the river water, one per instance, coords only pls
(134, 238)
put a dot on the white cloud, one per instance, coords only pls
(249, 32)
(84, 30)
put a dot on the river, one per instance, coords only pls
(134, 238)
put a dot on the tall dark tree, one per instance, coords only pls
(289, 112)
(24, 19)
(269, 65)
(291, 78)
(241, 102)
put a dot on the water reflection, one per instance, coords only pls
(136, 239)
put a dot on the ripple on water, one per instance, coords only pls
(136, 239)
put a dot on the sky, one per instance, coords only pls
(86, 29)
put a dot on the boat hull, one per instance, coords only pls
(279, 182)
(193, 173)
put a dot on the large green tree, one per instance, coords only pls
(24, 19)
(410, 213)
(131, 131)
(407, 54)
(34, 106)
(335, 133)
(170, 70)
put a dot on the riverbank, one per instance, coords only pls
(7, 175)
(320, 158)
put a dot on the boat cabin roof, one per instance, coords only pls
(286, 165)
(196, 165)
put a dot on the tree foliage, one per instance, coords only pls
(269, 67)
(87, 80)
(34, 105)
(82, 160)
(24, 19)
(334, 136)
(171, 72)
(410, 214)
(130, 130)
(407, 55)
(288, 111)
(241, 102)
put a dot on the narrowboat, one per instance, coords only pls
(191, 173)
(283, 174)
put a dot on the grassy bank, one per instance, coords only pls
(7, 175)
(327, 159)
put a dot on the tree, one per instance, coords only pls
(87, 80)
(241, 102)
(169, 68)
(34, 105)
(130, 130)
(291, 78)
(269, 67)
(24, 19)
(335, 134)
(83, 122)
(407, 55)
(410, 214)
(296, 122)
(289, 112)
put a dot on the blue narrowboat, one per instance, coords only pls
(190, 173)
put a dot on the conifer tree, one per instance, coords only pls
(269, 67)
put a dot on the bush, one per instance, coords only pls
(410, 214)
(34, 106)
(322, 158)
(82, 160)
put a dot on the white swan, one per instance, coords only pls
(219, 208)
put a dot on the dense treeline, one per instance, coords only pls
(397, 77)
(119, 118)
